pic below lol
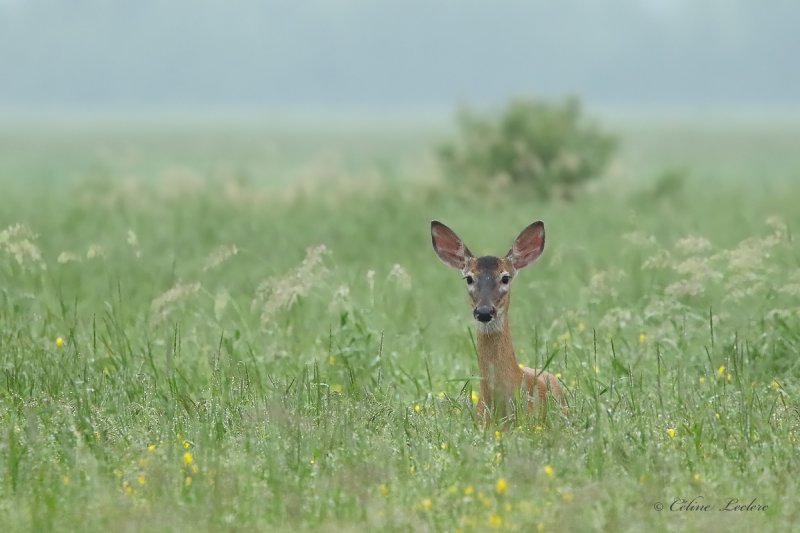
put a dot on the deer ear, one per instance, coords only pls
(448, 246)
(528, 246)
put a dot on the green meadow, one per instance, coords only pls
(240, 325)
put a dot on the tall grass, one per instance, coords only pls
(208, 351)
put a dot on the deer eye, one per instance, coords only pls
(505, 279)
(469, 279)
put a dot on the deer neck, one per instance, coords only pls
(500, 374)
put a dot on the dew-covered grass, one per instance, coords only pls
(186, 344)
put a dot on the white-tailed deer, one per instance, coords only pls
(488, 280)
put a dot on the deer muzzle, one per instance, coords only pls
(484, 313)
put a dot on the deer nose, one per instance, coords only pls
(484, 313)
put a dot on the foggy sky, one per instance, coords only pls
(395, 54)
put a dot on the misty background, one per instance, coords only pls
(395, 56)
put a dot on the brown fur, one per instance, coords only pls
(501, 376)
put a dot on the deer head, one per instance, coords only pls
(488, 278)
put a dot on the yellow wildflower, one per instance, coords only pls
(59, 341)
(383, 489)
(186, 444)
(474, 397)
(497, 434)
(642, 338)
(721, 370)
(426, 503)
(187, 458)
(671, 432)
(468, 490)
(701, 379)
(500, 486)
(151, 447)
(140, 479)
(495, 520)
(548, 470)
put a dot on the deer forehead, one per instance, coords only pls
(488, 266)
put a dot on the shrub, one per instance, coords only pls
(549, 146)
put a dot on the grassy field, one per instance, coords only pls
(231, 328)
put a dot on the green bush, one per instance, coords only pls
(549, 146)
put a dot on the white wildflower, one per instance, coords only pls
(791, 289)
(662, 310)
(693, 244)
(698, 269)
(400, 276)
(640, 238)
(283, 292)
(340, 300)
(616, 318)
(163, 305)
(371, 285)
(603, 284)
(18, 242)
(779, 227)
(219, 256)
(95, 251)
(746, 256)
(221, 301)
(779, 314)
(660, 259)
(68, 257)
(133, 242)
(686, 287)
